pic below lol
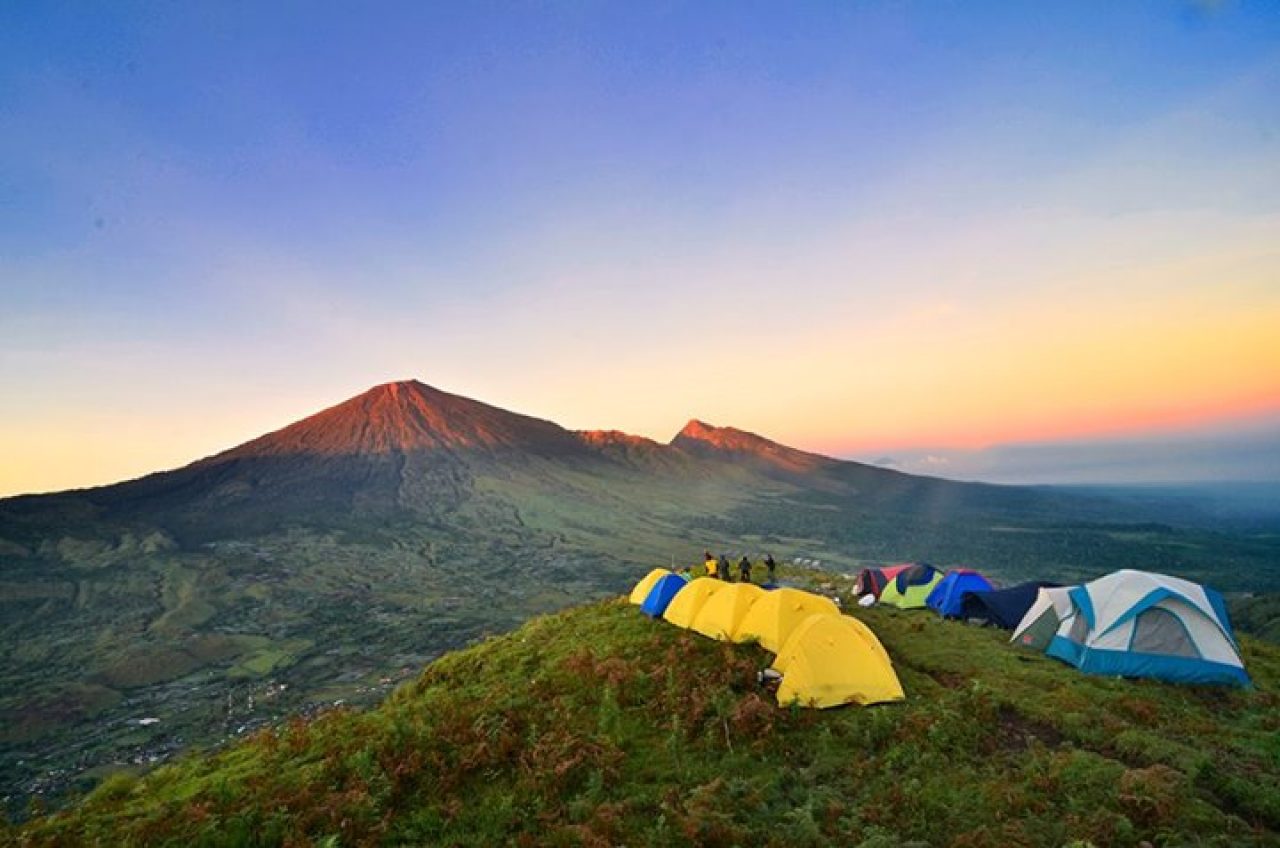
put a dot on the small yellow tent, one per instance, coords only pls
(641, 591)
(687, 603)
(721, 615)
(772, 618)
(832, 660)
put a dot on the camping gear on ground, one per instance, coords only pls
(662, 593)
(641, 590)
(946, 597)
(871, 581)
(776, 614)
(831, 660)
(721, 614)
(687, 603)
(911, 587)
(1138, 624)
(1004, 608)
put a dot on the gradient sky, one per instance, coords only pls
(858, 228)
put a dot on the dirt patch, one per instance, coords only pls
(1014, 732)
(949, 679)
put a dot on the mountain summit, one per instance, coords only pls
(408, 416)
(705, 439)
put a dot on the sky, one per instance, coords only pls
(889, 230)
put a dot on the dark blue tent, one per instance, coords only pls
(655, 603)
(1002, 607)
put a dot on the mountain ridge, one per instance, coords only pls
(699, 436)
(409, 417)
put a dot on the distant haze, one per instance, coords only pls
(1242, 451)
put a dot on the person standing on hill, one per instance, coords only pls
(744, 569)
(771, 566)
(722, 569)
(709, 563)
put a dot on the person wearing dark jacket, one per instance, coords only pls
(744, 569)
(771, 565)
(724, 569)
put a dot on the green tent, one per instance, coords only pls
(911, 587)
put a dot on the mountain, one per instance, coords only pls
(705, 440)
(408, 417)
(329, 559)
(399, 448)
(599, 726)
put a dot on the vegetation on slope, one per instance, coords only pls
(598, 726)
(1258, 615)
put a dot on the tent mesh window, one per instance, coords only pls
(1158, 631)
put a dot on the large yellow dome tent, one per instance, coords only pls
(642, 589)
(688, 602)
(772, 617)
(721, 615)
(832, 660)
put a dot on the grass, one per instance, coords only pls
(598, 726)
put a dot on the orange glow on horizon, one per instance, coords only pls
(1073, 363)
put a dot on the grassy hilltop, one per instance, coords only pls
(598, 726)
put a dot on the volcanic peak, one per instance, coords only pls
(407, 416)
(698, 436)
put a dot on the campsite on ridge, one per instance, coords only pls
(602, 725)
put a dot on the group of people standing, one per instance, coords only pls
(721, 569)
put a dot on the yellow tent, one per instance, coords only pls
(832, 660)
(772, 618)
(687, 603)
(641, 591)
(722, 614)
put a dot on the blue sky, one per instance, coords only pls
(217, 217)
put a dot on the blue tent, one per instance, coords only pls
(655, 603)
(1002, 607)
(945, 597)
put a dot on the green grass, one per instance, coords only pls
(598, 726)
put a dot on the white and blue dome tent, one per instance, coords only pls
(1138, 624)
